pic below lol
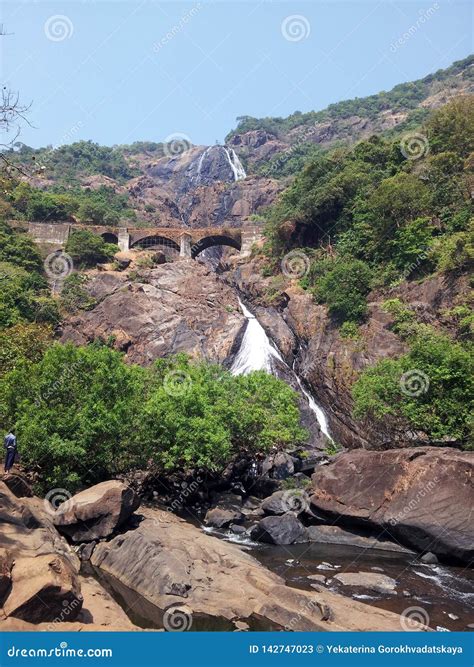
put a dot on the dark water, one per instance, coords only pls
(439, 590)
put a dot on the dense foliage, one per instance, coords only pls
(85, 205)
(24, 294)
(66, 162)
(376, 204)
(87, 248)
(82, 414)
(430, 388)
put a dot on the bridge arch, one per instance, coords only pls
(155, 241)
(210, 241)
(109, 237)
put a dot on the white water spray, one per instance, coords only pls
(235, 164)
(257, 352)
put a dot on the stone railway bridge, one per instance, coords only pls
(185, 242)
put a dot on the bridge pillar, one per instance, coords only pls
(250, 236)
(185, 242)
(123, 239)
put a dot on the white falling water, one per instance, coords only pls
(201, 160)
(256, 353)
(235, 164)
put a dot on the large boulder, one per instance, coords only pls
(221, 517)
(280, 502)
(27, 528)
(285, 529)
(418, 496)
(96, 512)
(42, 589)
(180, 570)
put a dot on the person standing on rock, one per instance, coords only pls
(10, 450)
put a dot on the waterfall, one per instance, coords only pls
(257, 353)
(235, 164)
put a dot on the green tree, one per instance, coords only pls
(86, 248)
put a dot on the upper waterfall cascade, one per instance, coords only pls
(235, 164)
(257, 353)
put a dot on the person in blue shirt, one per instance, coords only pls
(10, 451)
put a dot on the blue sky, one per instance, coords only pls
(121, 71)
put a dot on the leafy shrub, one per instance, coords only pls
(343, 284)
(87, 249)
(83, 414)
(74, 295)
(440, 404)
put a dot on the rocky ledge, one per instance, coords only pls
(156, 559)
(151, 313)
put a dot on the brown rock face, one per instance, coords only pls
(173, 565)
(419, 496)
(96, 512)
(42, 588)
(177, 307)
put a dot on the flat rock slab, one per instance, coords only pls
(338, 535)
(380, 583)
(172, 563)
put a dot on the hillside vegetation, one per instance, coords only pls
(372, 216)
